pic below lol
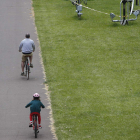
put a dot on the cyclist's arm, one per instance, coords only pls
(28, 105)
(20, 47)
(33, 46)
(42, 105)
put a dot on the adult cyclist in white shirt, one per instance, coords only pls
(27, 47)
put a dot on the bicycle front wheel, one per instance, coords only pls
(28, 71)
(35, 129)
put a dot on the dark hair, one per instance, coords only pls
(36, 98)
(27, 35)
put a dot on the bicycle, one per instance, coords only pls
(27, 68)
(35, 125)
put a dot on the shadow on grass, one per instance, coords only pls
(117, 24)
(131, 23)
(114, 24)
(77, 18)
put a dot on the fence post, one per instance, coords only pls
(124, 15)
(136, 2)
(78, 1)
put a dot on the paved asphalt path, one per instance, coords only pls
(16, 91)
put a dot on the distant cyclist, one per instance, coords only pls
(35, 108)
(27, 46)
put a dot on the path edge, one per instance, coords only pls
(44, 77)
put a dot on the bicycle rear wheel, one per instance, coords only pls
(25, 67)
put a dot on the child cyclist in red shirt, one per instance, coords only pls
(35, 108)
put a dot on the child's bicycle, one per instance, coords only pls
(35, 125)
(27, 68)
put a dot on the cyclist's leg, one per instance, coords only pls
(31, 57)
(36, 113)
(22, 66)
(22, 62)
(30, 117)
(39, 118)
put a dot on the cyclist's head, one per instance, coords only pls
(36, 96)
(27, 35)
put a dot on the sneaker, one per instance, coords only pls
(22, 74)
(40, 126)
(30, 125)
(31, 65)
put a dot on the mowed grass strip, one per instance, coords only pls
(93, 70)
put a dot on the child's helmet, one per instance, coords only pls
(36, 95)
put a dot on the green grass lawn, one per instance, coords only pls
(93, 70)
